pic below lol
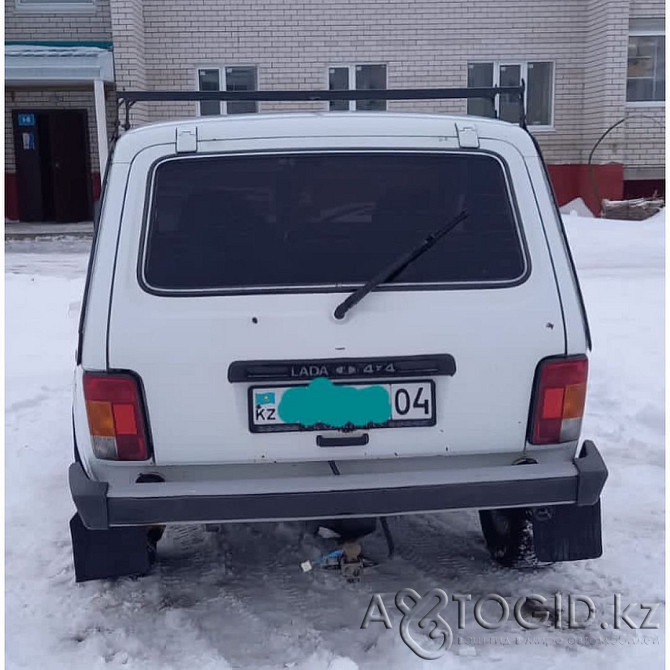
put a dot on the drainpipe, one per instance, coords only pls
(101, 123)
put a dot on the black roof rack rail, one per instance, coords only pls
(129, 98)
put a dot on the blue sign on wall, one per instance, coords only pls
(26, 119)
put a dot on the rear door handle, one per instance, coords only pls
(353, 441)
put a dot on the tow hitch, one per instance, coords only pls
(349, 559)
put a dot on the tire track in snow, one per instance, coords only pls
(227, 597)
(206, 602)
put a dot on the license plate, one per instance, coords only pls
(325, 405)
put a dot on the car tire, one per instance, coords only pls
(509, 537)
(154, 534)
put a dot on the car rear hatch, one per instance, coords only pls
(224, 299)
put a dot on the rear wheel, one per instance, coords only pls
(509, 537)
(154, 534)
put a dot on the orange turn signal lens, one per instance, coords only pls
(100, 418)
(575, 398)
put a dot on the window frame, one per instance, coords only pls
(49, 6)
(351, 81)
(223, 86)
(523, 75)
(643, 32)
(293, 289)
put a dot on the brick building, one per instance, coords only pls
(588, 64)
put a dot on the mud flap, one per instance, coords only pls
(105, 554)
(567, 532)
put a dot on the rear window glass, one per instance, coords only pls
(327, 219)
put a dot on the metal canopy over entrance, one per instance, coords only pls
(29, 65)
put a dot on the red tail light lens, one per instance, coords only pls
(115, 417)
(558, 403)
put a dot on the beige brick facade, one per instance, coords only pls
(423, 43)
(605, 59)
(82, 25)
(129, 51)
(159, 44)
(644, 132)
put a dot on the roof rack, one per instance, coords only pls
(129, 98)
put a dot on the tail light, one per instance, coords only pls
(115, 417)
(558, 402)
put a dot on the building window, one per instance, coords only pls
(645, 79)
(56, 5)
(227, 79)
(539, 99)
(209, 80)
(360, 78)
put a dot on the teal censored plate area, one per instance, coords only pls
(325, 405)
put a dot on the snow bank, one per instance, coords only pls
(577, 207)
(608, 243)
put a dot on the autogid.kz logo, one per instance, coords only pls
(422, 628)
(427, 633)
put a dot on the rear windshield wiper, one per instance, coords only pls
(394, 268)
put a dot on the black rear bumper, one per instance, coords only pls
(99, 511)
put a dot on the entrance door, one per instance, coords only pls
(70, 176)
(28, 167)
(52, 164)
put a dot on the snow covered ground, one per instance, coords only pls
(239, 599)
